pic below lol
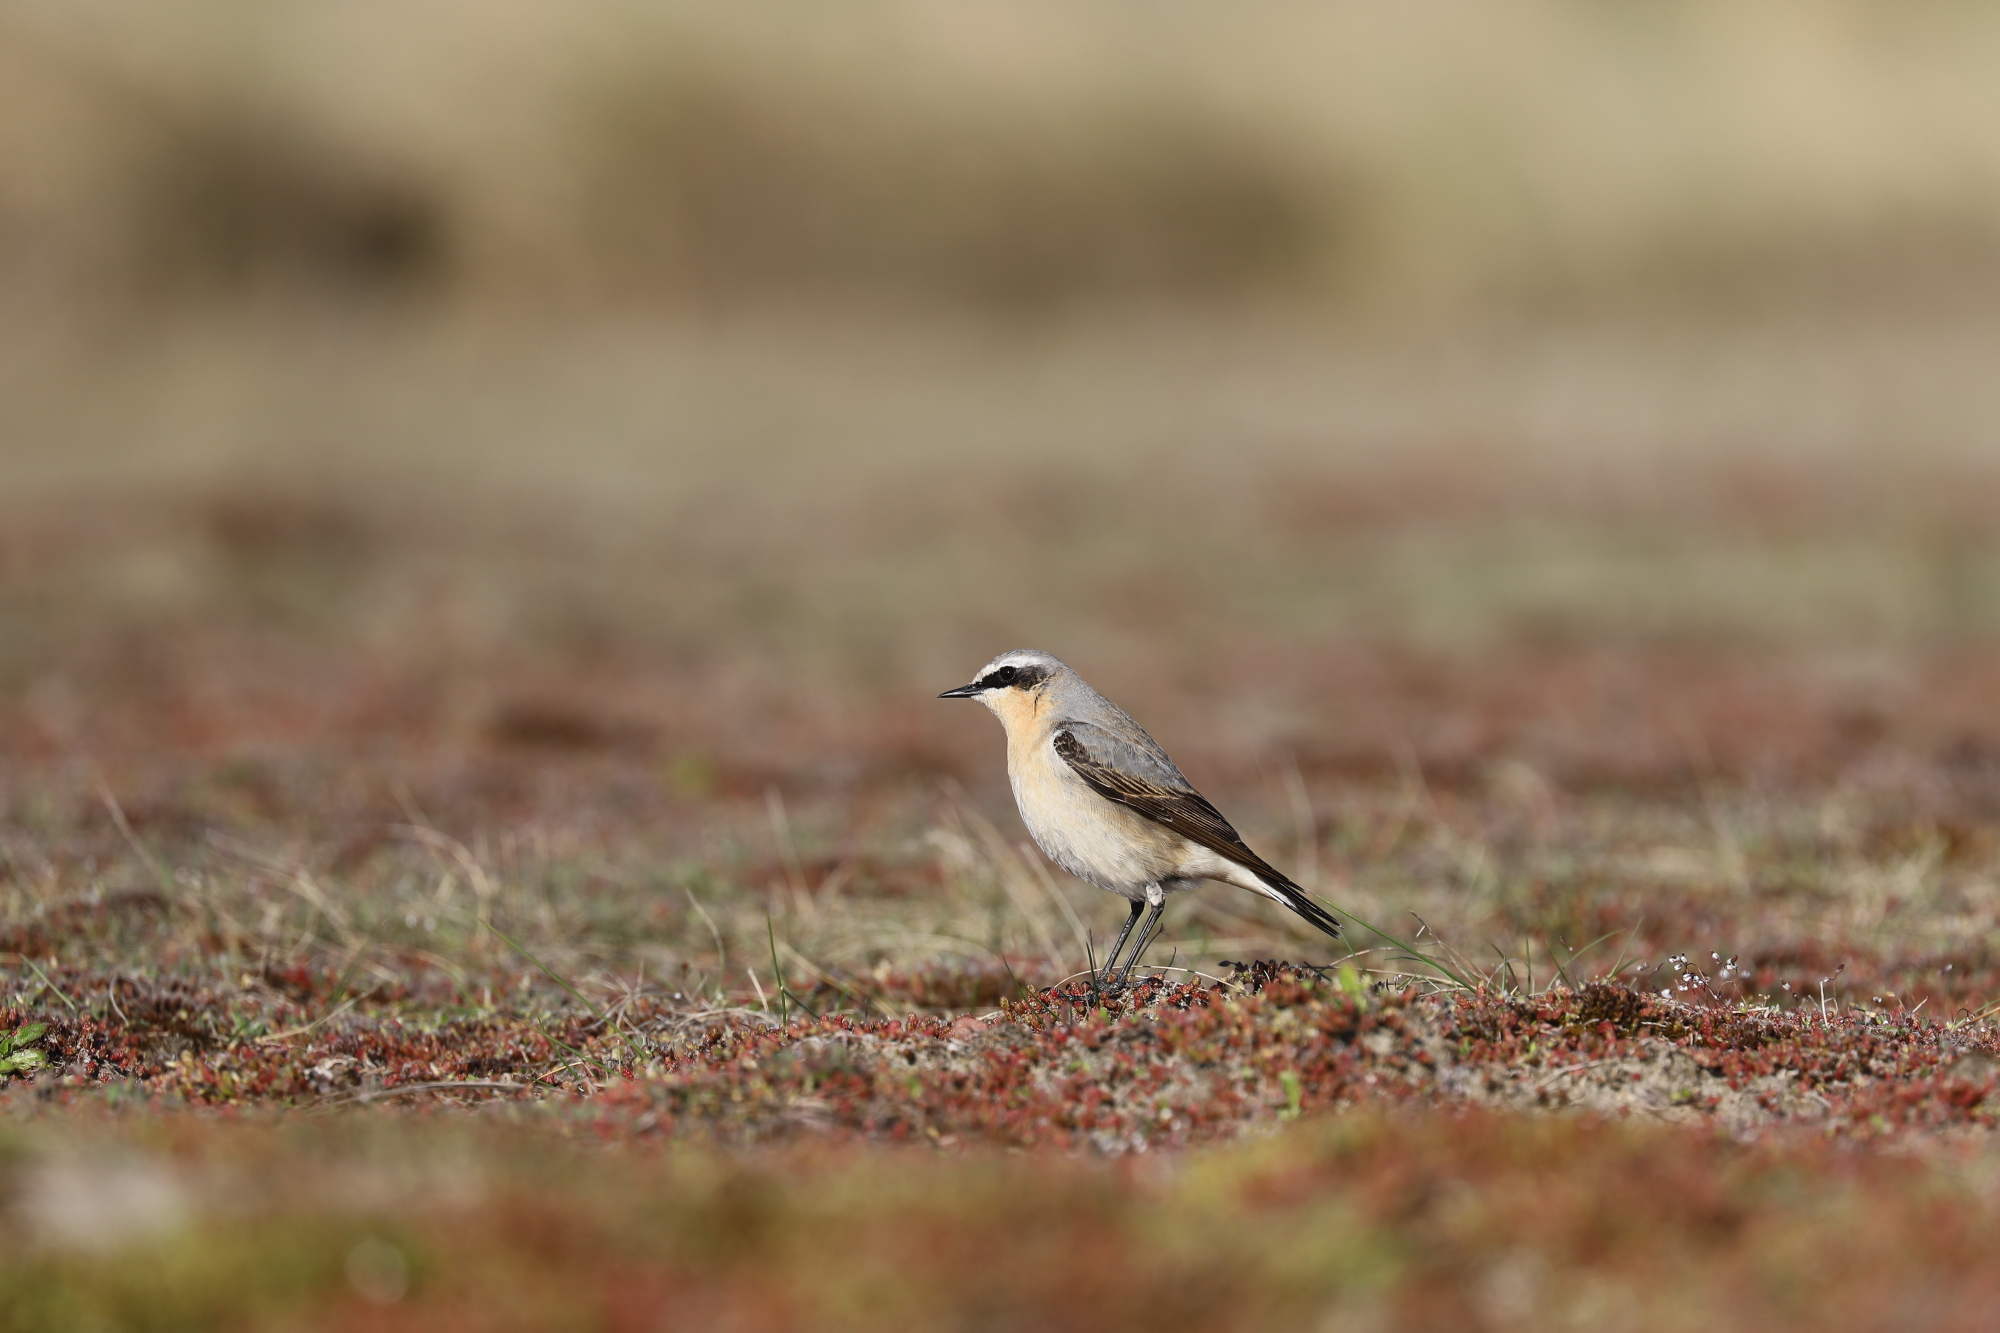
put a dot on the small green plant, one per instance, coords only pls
(1294, 1094)
(637, 1051)
(17, 1054)
(786, 999)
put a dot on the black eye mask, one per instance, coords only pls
(1020, 678)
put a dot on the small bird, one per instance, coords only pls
(1105, 803)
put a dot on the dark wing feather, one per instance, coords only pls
(1186, 812)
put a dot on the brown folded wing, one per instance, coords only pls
(1188, 813)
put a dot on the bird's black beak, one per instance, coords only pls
(962, 692)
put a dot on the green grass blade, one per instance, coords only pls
(638, 1051)
(1408, 949)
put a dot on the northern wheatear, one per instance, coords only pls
(1103, 800)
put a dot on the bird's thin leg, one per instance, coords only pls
(1112, 962)
(1146, 933)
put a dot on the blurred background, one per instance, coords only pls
(533, 464)
(606, 416)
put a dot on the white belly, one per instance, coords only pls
(1094, 839)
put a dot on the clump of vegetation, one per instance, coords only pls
(18, 1052)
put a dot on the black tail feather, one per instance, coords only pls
(1296, 899)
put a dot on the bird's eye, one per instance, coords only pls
(1005, 675)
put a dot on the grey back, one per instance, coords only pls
(1106, 731)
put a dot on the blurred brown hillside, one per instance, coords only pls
(1417, 157)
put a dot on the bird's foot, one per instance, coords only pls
(1121, 986)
